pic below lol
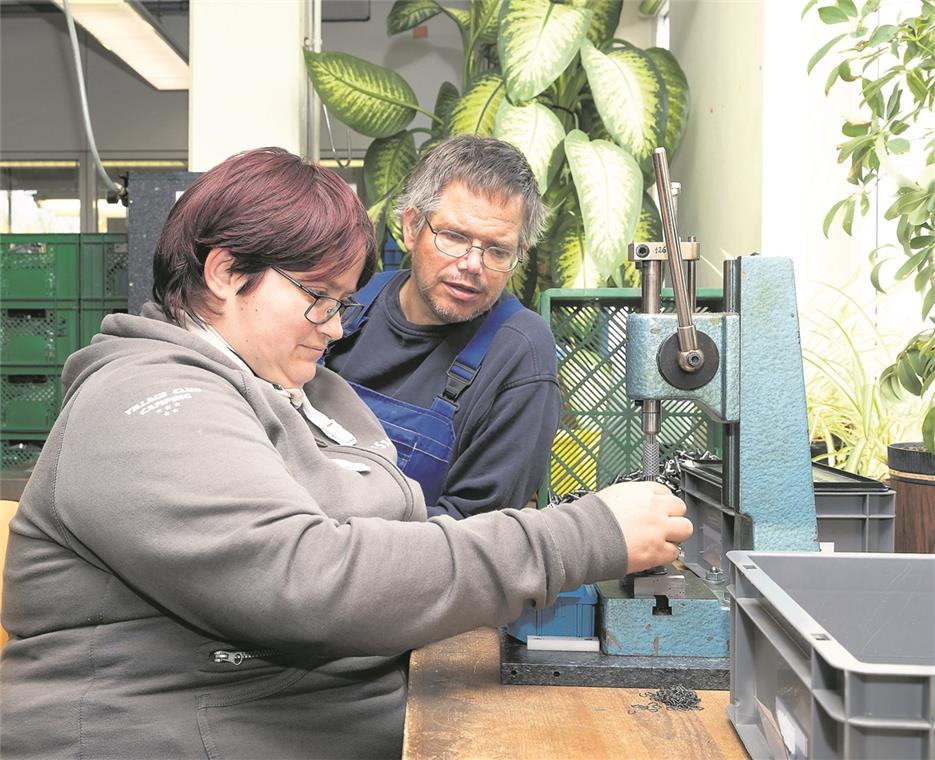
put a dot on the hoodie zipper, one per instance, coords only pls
(236, 658)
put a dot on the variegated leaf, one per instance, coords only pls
(524, 280)
(554, 199)
(537, 133)
(590, 121)
(568, 247)
(444, 103)
(407, 14)
(537, 41)
(368, 98)
(487, 19)
(394, 222)
(377, 214)
(460, 16)
(610, 191)
(605, 20)
(428, 146)
(474, 114)
(387, 164)
(678, 98)
(630, 96)
(649, 227)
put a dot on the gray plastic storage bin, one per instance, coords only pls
(854, 513)
(833, 655)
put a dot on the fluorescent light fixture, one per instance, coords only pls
(331, 163)
(126, 29)
(39, 164)
(158, 163)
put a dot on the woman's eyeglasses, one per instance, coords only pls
(323, 308)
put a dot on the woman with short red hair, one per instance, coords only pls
(216, 555)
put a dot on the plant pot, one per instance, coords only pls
(912, 475)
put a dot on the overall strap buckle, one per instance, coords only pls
(460, 376)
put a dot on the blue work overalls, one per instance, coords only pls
(424, 438)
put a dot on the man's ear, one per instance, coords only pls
(221, 282)
(409, 228)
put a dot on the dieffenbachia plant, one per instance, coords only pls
(585, 109)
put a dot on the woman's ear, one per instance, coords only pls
(221, 282)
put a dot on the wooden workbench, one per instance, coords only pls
(459, 709)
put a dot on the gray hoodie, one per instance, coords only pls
(195, 570)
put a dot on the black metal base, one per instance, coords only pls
(519, 665)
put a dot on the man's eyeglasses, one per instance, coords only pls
(456, 245)
(323, 308)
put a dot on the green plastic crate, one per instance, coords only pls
(37, 333)
(599, 437)
(90, 315)
(104, 273)
(19, 450)
(30, 398)
(39, 267)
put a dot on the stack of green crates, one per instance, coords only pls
(54, 290)
(104, 282)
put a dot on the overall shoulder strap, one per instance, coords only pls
(368, 294)
(464, 368)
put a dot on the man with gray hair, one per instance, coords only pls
(461, 375)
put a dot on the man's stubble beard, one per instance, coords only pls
(447, 316)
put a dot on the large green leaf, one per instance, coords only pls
(525, 277)
(605, 20)
(630, 96)
(567, 248)
(460, 16)
(377, 214)
(475, 113)
(537, 41)
(444, 103)
(589, 120)
(394, 221)
(537, 133)
(649, 227)
(406, 14)
(387, 164)
(554, 199)
(678, 98)
(368, 98)
(610, 192)
(487, 19)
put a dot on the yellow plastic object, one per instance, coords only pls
(574, 461)
(7, 510)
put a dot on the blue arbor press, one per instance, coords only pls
(743, 367)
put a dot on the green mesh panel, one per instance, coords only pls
(16, 453)
(104, 267)
(39, 267)
(37, 333)
(599, 436)
(30, 399)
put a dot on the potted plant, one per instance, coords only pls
(893, 64)
(586, 110)
(850, 422)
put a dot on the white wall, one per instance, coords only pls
(247, 78)
(719, 45)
